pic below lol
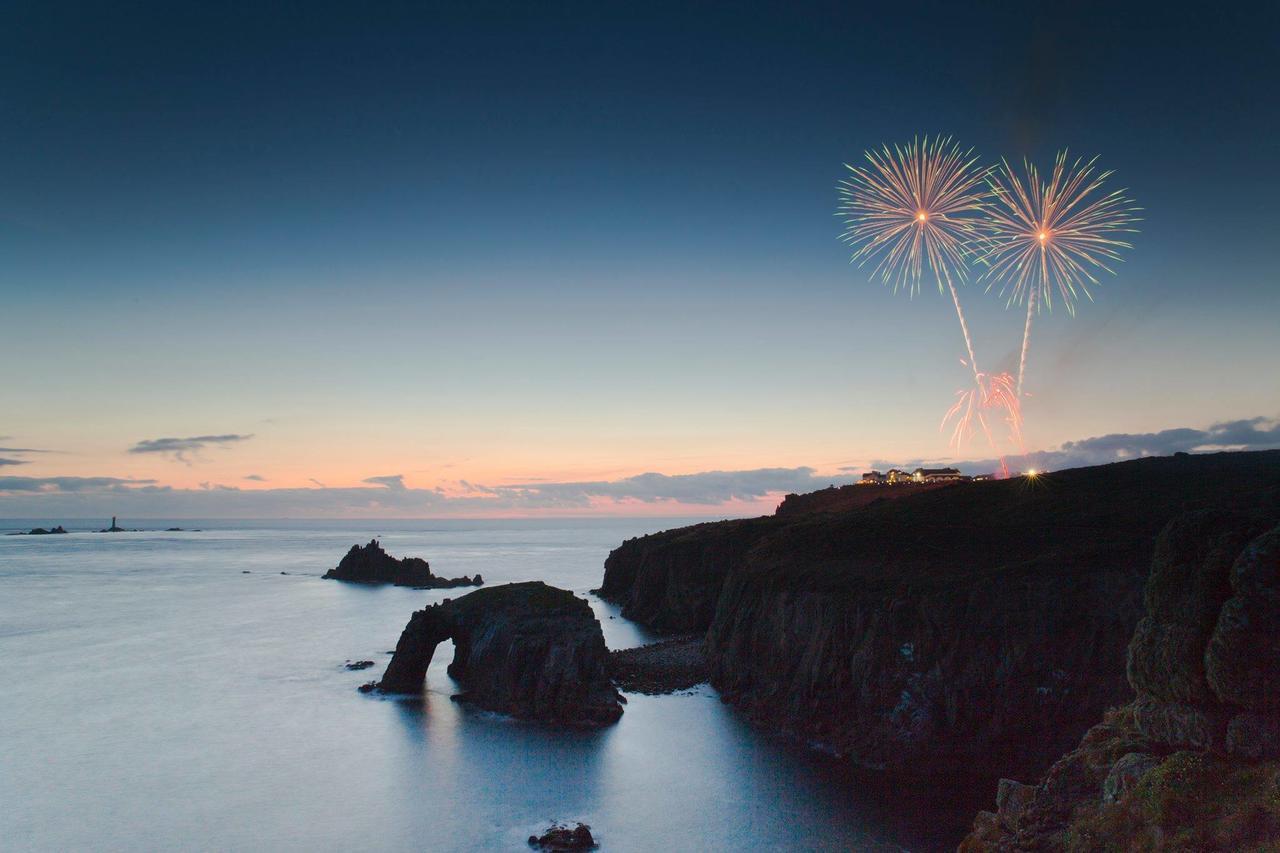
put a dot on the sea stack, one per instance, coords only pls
(524, 649)
(372, 565)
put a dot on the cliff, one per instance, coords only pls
(524, 649)
(1193, 763)
(979, 628)
(371, 564)
(841, 498)
(670, 581)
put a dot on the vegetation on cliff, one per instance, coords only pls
(1193, 763)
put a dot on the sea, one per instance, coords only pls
(187, 690)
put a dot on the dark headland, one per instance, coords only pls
(976, 632)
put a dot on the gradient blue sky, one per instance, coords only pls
(503, 244)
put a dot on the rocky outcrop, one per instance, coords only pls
(665, 667)
(562, 838)
(977, 629)
(371, 564)
(41, 531)
(1193, 762)
(670, 581)
(524, 649)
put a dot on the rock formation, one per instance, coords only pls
(978, 629)
(670, 581)
(524, 649)
(561, 838)
(1193, 763)
(665, 667)
(41, 531)
(370, 564)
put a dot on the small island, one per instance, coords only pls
(41, 531)
(528, 650)
(372, 565)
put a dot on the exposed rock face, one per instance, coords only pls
(524, 649)
(370, 564)
(670, 581)
(1193, 761)
(978, 628)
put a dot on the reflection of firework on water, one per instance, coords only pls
(989, 394)
(1046, 237)
(915, 206)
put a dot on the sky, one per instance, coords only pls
(511, 259)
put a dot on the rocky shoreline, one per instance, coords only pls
(668, 666)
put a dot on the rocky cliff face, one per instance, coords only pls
(371, 564)
(670, 581)
(525, 649)
(1194, 761)
(979, 628)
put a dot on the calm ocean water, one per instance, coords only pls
(157, 698)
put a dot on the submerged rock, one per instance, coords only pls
(357, 665)
(371, 564)
(524, 649)
(562, 839)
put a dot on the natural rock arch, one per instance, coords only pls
(525, 649)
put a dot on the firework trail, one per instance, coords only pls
(1043, 237)
(912, 206)
(989, 393)
(921, 205)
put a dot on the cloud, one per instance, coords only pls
(69, 484)
(24, 450)
(257, 478)
(703, 489)
(179, 448)
(1247, 434)
(391, 481)
(4, 461)
(388, 496)
(683, 494)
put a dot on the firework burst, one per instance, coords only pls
(1047, 238)
(916, 206)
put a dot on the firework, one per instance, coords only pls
(989, 394)
(1047, 238)
(913, 207)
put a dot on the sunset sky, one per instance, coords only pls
(505, 259)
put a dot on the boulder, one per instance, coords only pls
(524, 649)
(371, 564)
(563, 839)
(1243, 656)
